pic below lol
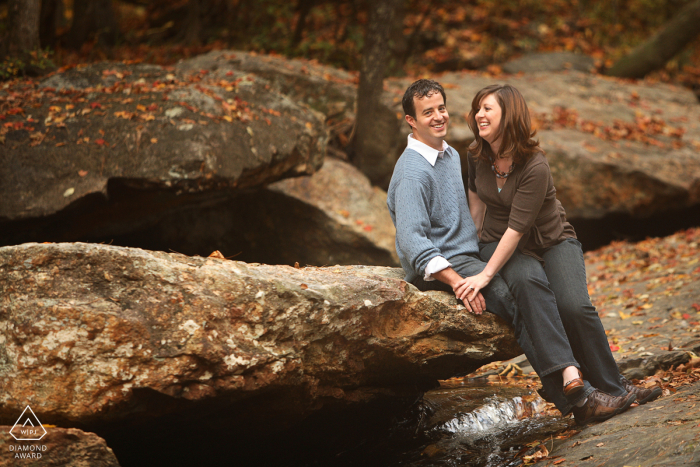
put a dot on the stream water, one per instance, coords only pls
(470, 422)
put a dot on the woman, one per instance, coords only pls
(525, 237)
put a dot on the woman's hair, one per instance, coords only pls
(515, 129)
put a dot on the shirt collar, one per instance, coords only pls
(426, 151)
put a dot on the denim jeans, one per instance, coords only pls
(541, 334)
(553, 295)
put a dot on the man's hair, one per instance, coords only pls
(421, 88)
(515, 128)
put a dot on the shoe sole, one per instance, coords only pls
(654, 394)
(573, 390)
(602, 418)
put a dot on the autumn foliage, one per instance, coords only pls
(449, 35)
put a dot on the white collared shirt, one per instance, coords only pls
(437, 263)
(426, 151)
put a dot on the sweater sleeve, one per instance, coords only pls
(412, 212)
(528, 199)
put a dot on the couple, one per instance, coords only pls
(510, 249)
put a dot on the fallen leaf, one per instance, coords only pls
(68, 192)
(217, 254)
(154, 140)
(304, 286)
(82, 173)
(600, 445)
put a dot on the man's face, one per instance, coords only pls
(430, 124)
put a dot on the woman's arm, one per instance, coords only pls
(504, 250)
(477, 209)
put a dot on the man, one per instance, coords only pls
(437, 243)
(435, 235)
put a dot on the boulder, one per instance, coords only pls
(108, 148)
(98, 334)
(59, 447)
(550, 61)
(326, 89)
(615, 147)
(332, 217)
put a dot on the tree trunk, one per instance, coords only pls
(654, 53)
(193, 28)
(23, 34)
(47, 30)
(303, 8)
(369, 157)
(92, 18)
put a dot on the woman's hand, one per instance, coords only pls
(469, 288)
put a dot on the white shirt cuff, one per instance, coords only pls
(436, 264)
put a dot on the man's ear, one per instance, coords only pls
(411, 121)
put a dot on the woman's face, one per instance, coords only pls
(489, 118)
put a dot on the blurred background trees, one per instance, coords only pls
(422, 36)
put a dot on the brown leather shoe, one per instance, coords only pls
(574, 386)
(644, 395)
(601, 406)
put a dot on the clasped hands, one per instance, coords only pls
(469, 291)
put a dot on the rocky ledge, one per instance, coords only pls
(94, 334)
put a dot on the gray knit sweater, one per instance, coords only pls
(428, 206)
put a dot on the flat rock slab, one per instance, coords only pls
(59, 447)
(90, 333)
(665, 432)
(72, 135)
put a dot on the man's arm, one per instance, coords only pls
(412, 236)
(449, 276)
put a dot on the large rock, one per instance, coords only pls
(95, 333)
(58, 447)
(334, 216)
(550, 61)
(614, 147)
(326, 89)
(109, 148)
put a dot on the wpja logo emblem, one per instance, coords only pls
(28, 427)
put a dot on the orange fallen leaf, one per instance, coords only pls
(82, 173)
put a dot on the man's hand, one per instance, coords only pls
(469, 288)
(475, 304)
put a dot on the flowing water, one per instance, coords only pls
(465, 423)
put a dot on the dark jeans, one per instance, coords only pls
(556, 295)
(540, 334)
